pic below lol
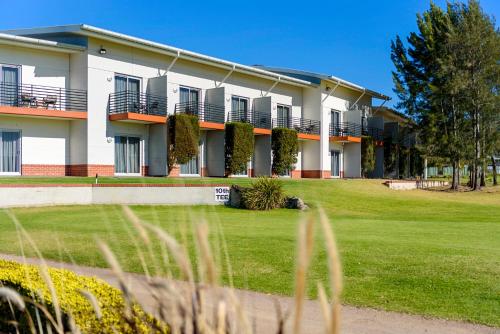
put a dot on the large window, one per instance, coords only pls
(239, 109)
(335, 118)
(335, 156)
(127, 155)
(189, 100)
(284, 117)
(128, 89)
(10, 152)
(191, 167)
(9, 85)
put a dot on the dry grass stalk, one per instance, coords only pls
(335, 272)
(305, 247)
(93, 302)
(13, 297)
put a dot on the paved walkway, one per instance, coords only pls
(261, 308)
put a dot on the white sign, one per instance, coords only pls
(221, 194)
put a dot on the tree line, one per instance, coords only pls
(447, 78)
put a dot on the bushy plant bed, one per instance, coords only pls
(75, 307)
(264, 194)
(285, 145)
(183, 138)
(239, 142)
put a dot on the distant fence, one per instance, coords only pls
(448, 171)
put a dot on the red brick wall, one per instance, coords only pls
(296, 174)
(204, 171)
(144, 170)
(44, 170)
(175, 171)
(101, 170)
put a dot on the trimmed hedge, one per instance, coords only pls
(28, 282)
(239, 146)
(285, 146)
(367, 155)
(183, 138)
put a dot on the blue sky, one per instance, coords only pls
(349, 39)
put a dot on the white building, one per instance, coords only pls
(79, 100)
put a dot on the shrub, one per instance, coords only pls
(28, 282)
(285, 146)
(367, 155)
(239, 146)
(264, 194)
(183, 138)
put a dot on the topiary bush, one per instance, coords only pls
(239, 147)
(28, 282)
(285, 147)
(183, 138)
(264, 194)
(367, 155)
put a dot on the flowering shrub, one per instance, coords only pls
(75, 308)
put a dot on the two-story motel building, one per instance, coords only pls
(79, 100)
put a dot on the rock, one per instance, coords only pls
(235, 196)
(295, 203)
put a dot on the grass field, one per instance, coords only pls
(423, 252)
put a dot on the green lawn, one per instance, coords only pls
(424, 252)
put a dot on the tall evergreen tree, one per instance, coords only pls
(447, 80)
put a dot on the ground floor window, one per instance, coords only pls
(127, 155)
(335, 156)
(191, 167)
(10, 152)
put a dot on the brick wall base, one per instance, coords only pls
(204, 172)
(175, 171)
(296, 174)
(67, 170)
(316, 174)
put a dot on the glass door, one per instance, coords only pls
(9, 82)
(335, 123)
(335, 156)
(189, 100)
(284, 117)
(191, 167)
(10, 152)
(128, 89)
(239, 109)
(127, 155)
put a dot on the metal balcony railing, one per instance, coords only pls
(204, 111)
(375, 133)
(301, 125)
(139, 103)
(43, 97)
(344, 129)
(258, 119)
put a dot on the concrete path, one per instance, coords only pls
(262, 310)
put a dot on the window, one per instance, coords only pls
(239, 109)
(284, 117)
(191, 167)
(9, 85)
(127, 91)
(189, 100)
(10, 152)
(127, 155)
(335, 156)
(335, 118)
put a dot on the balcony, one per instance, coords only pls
(42, 101)
(346, 132)
(261, 121)
(306, 128)
(210, 116)
(137, 107)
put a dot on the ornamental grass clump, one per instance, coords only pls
(264, 194)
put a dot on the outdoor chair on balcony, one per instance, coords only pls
(49, 100)
(28, 100)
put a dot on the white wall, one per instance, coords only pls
(39, 67)
(352, 160)
(262, 156)
(44, 141)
